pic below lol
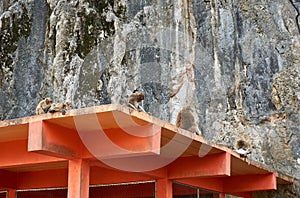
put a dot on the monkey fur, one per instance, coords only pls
(60, 107)
(134, 100)
(43, 106)
(185, 120)
(242, 148)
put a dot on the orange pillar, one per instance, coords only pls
(78, 179)
(221, 195)
(164, 188)
(11, 193)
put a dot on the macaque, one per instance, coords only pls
(186, 120)
(60, 107)
(242, 148)
(134, 100)
(43, 106)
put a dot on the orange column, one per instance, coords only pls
(164, 188)
(78, 179)
(223, 195)
(11, 193)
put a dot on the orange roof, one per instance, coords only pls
(128, 144)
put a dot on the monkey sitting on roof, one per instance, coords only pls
(242, 148)
(43, 106)
(134, 100)
(185, 120)
(60, 107)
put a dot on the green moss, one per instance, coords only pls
(10, 34)
(95, 24)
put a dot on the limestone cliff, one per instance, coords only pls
(235, 63)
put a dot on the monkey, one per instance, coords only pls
(242, 148)
(60, 107)
(134, 100)
(185, 120)
(43, 106)
(241, 144)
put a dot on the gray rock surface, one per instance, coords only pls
(235, 63)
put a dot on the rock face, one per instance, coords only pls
(235, 63)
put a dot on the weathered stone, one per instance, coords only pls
(235, 63)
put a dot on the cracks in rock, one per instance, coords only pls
(297, 16)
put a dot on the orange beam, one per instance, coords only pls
(53, 140)
(120, 135)
(164, 188)
(209, 165)
(100, 175)
(158, 173)
(146, 175)
(59, 178)
(78, 179)
(118, 143)
(130, 144)
(249, 183)
(54, 178)
(214, 184)
(15, 154)
(124, 190)
(43, 179)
